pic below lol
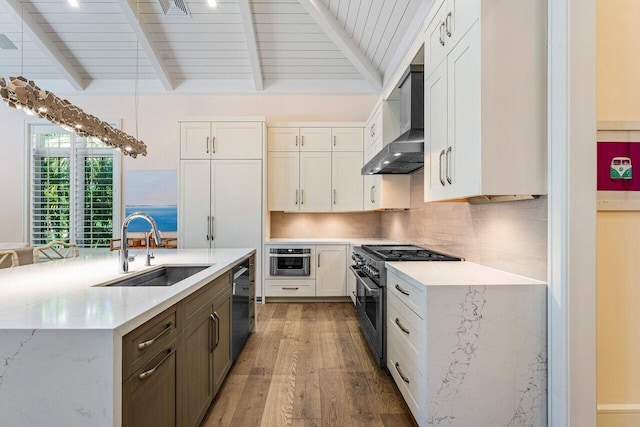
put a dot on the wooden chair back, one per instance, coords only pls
(56, 249)
(13, 255)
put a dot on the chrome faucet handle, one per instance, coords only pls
(131, 258)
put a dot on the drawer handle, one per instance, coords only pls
(290, 289)
(402, 328)
(404, 378)
(402, 291)
(146, 344)
(147, 374)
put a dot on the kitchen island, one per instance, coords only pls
(61, 336)
(467, 344)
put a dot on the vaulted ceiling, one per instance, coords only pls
(240, 45)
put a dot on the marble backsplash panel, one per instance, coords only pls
(320, 225)
(510, 236)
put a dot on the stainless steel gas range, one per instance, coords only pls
(371, 280)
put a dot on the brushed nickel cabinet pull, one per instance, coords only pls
(302, 197)
(147, 374)
(447, 24)
(442, 34)
(318, 259)
(334, 196)
(402, 291)
(289, 289)
(212, 228)
(404, 378)
(296, 140)
(215, 314)
(440, 164)
(447, 161)
(214, 145)
(296, 197)
(208, 228)
(207, 145)
(401, 326)
(334, 140)
(213, 328)
(145, 344)
(302, 141)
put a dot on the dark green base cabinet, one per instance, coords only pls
(174, 364)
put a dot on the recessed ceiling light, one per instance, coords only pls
(212, 3)
(398, 154)
(386, 162)
(74, 3)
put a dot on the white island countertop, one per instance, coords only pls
(357, 241)
(457, 273)
(63, 294)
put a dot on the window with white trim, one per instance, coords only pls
(74, 188)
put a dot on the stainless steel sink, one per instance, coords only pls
(163, 276)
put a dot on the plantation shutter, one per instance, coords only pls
(74, 188)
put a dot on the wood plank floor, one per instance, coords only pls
(308, 365)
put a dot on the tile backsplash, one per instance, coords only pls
(510, 236)
(319, 225)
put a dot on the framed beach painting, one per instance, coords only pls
(154, 192)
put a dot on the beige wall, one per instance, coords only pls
(319, 225)
(618, 269)
(158, 116)
(510, 236)
(618, 60)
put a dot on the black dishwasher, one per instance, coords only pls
(240, 321)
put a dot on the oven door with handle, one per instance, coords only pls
(290, 264)
(370, 311)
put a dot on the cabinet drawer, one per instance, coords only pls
(411, 294)
(290, 288)
(408, 330)
(139, 345)
(413, 391)
(204, 295)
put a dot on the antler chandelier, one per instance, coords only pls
(20, 93)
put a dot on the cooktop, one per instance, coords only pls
(406, 253)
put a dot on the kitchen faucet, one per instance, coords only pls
(124, 252)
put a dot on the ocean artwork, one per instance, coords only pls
(154, 192)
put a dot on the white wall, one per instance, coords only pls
(158, 116)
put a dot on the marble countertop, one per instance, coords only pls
(357, 241)
(63, 294)
(457, 273)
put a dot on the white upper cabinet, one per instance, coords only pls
(315, 181)
(283, 139)
(315, 139)
(315, 169)
(347, 139)
(195, 204)
(347, 181)
(485, 100)
(221, 140)
(283, 180)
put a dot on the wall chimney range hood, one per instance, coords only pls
(405, 154)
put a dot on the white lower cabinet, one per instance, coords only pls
(331, 270)
(407, 342)
(327, 278)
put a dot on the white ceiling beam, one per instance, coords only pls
(330, 25)
(39, 38)
(250, 35)
(140, 28)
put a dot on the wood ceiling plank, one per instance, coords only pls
(392, 37)
(252, 46)
(150, 50)
(343, 41)
(39, 37)
(361, 21)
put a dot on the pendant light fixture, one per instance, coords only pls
(23, 94)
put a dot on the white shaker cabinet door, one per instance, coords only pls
(236, 140)
(347, 182)
(315, 139)
(283, 139)
(347, 139)
(435, 143)
(315, 182)
(283, 174)
(463, 159)
(195, 225)
(236, 187)
(195, 140)
(331, 270)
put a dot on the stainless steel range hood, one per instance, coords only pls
(405, 154)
